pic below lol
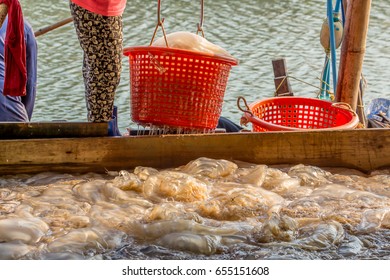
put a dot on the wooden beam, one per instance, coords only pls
(282, 83)
(362, 149)
(19, 130)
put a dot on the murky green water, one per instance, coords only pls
(254, 31)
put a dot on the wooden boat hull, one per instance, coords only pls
(362, 149)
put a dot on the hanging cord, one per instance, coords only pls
(360, 106)
(325, 79)
(330, 95)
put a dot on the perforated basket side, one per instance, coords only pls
(299, 113)
(176, 88)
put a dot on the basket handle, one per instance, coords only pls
(247, 111)
(160, 22)
(344, 105)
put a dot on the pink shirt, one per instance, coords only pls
(103, 7)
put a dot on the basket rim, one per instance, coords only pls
(275, 127)
(127, 51)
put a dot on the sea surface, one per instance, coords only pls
(253, 31)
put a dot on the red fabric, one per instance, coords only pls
(103, 7)
(15, 51)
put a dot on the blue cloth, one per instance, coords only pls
(378, 105)
(228, 125)
(19, 108)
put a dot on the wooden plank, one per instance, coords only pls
(362, 149)
(282, 83)
(19, 130)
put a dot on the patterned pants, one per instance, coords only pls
(101, 38)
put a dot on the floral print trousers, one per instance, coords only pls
(101, 39)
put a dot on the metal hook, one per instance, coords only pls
(160, 22)
(200, 25)
(158, 11)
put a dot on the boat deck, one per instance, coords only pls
(362, 149)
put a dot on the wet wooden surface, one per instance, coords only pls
(19, 130)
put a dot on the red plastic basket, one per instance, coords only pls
(176, 88)
(299, 113)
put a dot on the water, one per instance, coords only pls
(254, 31)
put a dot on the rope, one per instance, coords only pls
(280, 84)
(325, 80)
(331, 94)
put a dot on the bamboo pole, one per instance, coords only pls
(352, 51)
(3, 15)
(53, 26)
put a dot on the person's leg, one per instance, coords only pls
(12, 109)
(101, 39)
